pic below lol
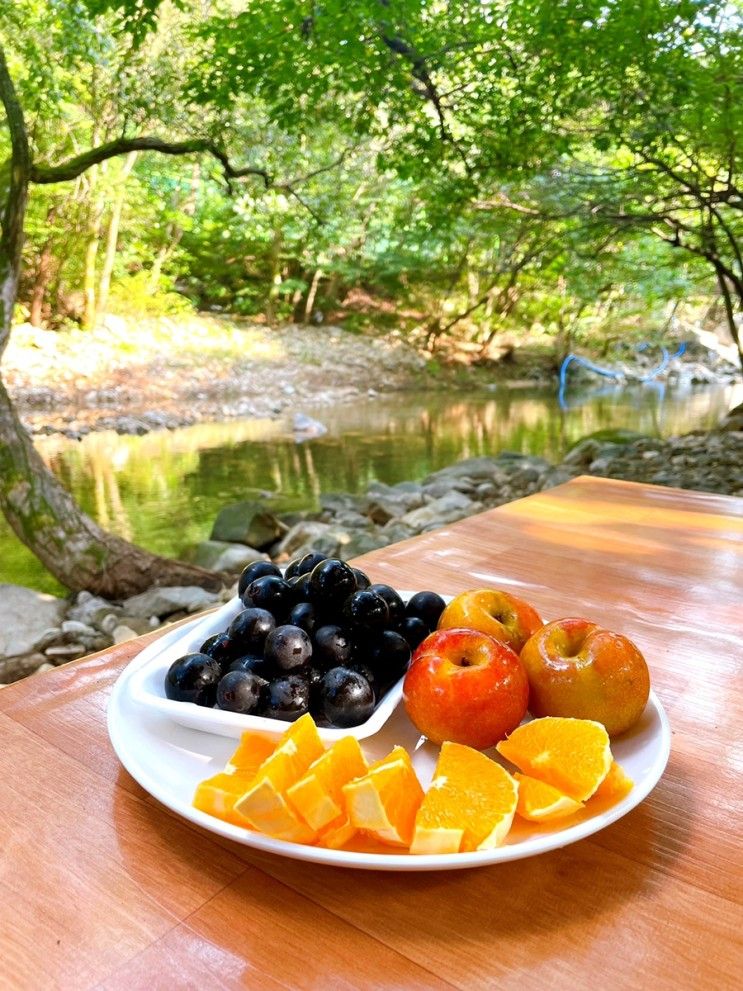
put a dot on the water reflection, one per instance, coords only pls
(164, 490)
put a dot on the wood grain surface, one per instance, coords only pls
(100, 886)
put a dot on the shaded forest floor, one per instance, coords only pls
(167, 372)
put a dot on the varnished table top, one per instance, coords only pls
(100, 886)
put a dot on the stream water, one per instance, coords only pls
(163, 490)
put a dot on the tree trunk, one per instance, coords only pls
(14, 208)
(112, 237)
(309, 305)
(174, 231)
(153, 280)
(727, 299)
(43, 276)
(331, 291)
(274, 258)
(89, 280)
(70, 545)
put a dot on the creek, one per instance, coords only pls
(164, 489)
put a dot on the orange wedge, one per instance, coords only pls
(469, 806)
(337, 834)
(539, 801)
(385, 800)
(318, 796)
(572, 755)
(615, 785)
(264, 805)
(252, 750)
(217, 796)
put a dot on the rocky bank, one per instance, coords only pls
(39, 631)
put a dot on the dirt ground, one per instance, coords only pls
(174, 371)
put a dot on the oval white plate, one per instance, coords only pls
(169, 760)
(147, 685)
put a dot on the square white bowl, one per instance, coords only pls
(147, 686)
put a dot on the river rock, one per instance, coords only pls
(122, 633)
(440, 487)
(395, 531)
(25, 616)
(73, 627)
(324, 538)
(362, 543)
(338, 502)
(381, 507)
(583, 453)
(66, 652)
(734, 420)
(90, 610)
(302, 534)
(350, 520)
(165, 601)
(477, 469)
(247, 523)
(220, 555)
(140, 624)
(449, 508)
(15, 668)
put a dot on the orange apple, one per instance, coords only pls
(492, 611)
(466, 687)
(576, 668)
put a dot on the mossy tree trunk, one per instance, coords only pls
(41, 512)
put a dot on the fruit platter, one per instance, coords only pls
(327, 718)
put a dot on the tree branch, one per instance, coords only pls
(429, 90)
(73, 167)
(290, 183)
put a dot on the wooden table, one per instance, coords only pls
(101, 886)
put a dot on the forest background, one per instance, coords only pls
(468, 172)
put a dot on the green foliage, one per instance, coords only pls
(133, 295)
(469, 170)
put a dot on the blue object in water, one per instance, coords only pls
(610, 372)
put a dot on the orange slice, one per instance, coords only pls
(616, 784)
(337, 834)
(264, 804)
(469, 806)
(384, 801)
(318, 796)
(217, 796)
(252, 750)
(573, 755)
(539, 801)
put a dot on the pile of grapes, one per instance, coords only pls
(320, 638)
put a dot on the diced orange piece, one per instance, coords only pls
(217, 796)
(318, 795)
(337, 834)
(384, 801)
(469, 806)
(573, 755)
(539, 801)
(616, 784)
(252, 750)
(264, 805)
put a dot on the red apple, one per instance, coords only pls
(490, 610)
(466, 687)
(575, 668)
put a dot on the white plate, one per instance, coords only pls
(147, 686)
(169, 760)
